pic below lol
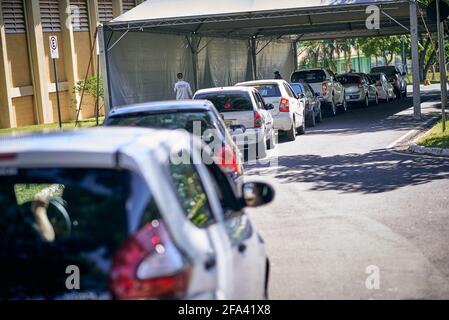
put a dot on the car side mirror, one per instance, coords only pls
(269, 106)
(301, 95)
(255, 194)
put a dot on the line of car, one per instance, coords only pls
(143, 209)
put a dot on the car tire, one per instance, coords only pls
(319, 116)
(302, 129)
(312, 119)
(291, 134)
(261, 149)
(376, 101)
(404, 94)
(271, 144)
(344, 105)
(365, 103)
(332, 108)
(398, 94)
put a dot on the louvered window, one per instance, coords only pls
(128, 5)
(105, 12)
(51, 20)
(13, 16)
(80, 15)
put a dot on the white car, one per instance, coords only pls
(288, 112)
(324, 82)
(246, 115)
(131, 213)
(384, 88)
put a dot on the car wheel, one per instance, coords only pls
(404, 94)
(344, 104)
(319, 116)
(365, 103)
(333, 108)
(398, 94)
(312, 119)
(377, 99)
(271, 143)
(291, 134)
(388, 98)
(302, 128)
(261, 149)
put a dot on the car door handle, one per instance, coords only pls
(210, 262)
(242, 247)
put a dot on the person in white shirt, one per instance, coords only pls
(182, 89)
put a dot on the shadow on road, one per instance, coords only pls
(374, 172)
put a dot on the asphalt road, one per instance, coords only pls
(346, 202)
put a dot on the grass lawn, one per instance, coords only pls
(52, 126)
(436, 138)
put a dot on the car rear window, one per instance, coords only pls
(297, 88)
(193, 122)
(349, 79)
(309, 76)
(268, 90)
(51, 219)
(228, 101)
(388, 71)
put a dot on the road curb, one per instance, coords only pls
(415, 148)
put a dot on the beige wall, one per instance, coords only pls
(23, 107)
(19, 63)
(27, 109)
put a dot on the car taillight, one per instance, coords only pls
(284, 106)
(324, 87)
(227, 160)
(257, 120)
(7, 156)
(148, 265)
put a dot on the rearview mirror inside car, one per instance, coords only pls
(257, 194)
(269, 106)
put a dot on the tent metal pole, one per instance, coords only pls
(443, 77)
(194, 44)
(415, 59)
(253, 51)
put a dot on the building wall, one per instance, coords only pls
(26, 69)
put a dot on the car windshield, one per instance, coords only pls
(297, 88)
(349, 79)
(228, 101)
(389, 71)
(268, 90)
(54, 218)
(191, 121)
(309, 76)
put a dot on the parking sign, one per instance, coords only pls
(54, 52)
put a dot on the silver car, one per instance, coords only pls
(246, 115)
(288, 112)
(384, 88)
(124, 213)
(324, 82)
(358, 89)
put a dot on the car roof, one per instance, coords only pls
(225, 89)
(104, 140)
(162, 106)
(266, 81)
(311, 69)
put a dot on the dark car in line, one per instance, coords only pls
(311, 102)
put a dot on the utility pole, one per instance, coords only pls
(443, 77)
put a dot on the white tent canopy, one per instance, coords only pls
(221, 42)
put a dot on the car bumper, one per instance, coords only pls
(282, 121)
(249, 137)
(355, 97)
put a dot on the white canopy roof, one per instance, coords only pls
(313, 19)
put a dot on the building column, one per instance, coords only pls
(44, 113)
(67, 45)
(92, 7)
(117, 7)
(7, 113)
